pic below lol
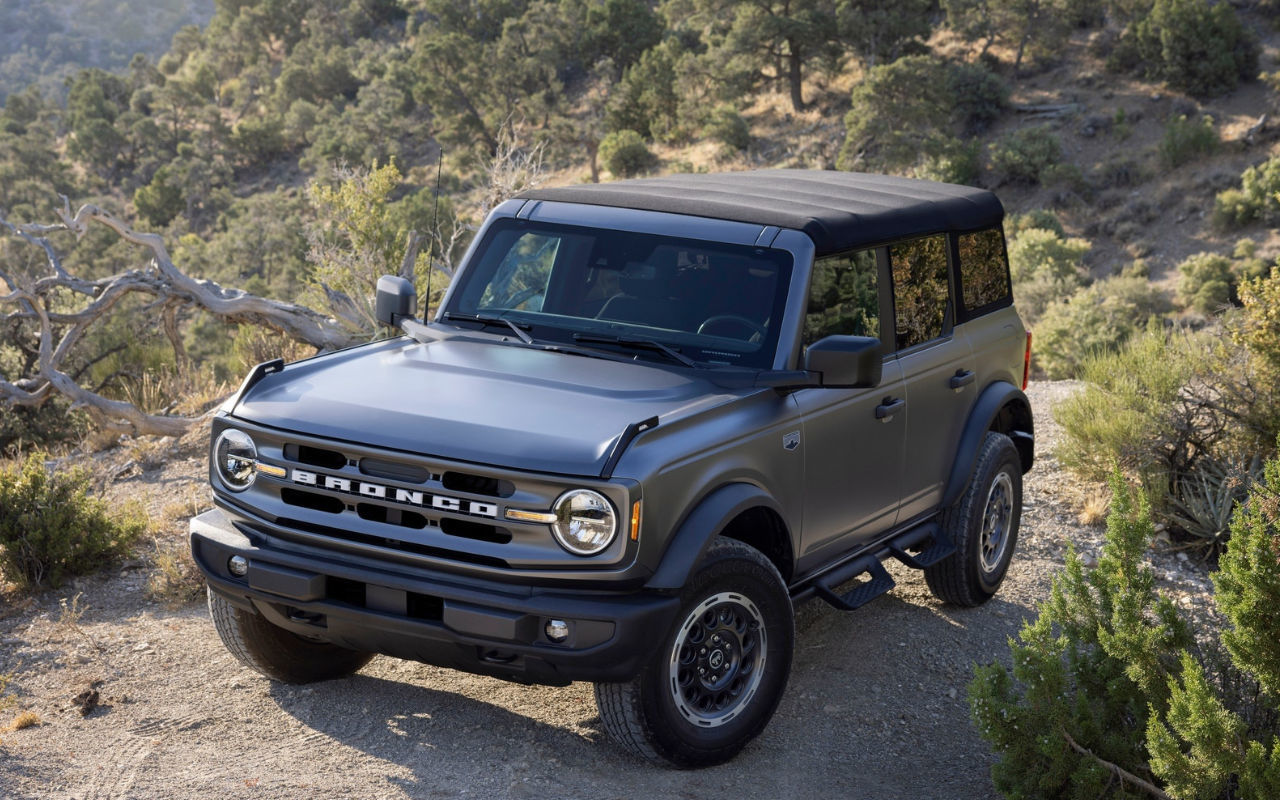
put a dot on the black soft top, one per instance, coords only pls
(838, 210)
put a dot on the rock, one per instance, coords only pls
(140, 646)
(1182, 557)
(951, 693)
(1089, 560)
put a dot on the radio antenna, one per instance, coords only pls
(436, 238)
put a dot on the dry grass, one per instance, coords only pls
(1095, 508)
(25, 719)
(175, 580)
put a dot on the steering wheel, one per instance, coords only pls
(756, 330)
(519, 297)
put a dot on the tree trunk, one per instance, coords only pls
(794, 65)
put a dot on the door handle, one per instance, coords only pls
(890, 406)
(961, 379)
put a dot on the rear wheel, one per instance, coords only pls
(983, 523)
(277, 653)
(715, 681)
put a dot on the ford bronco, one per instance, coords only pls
(649, 418)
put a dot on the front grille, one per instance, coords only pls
(315, 456)
(391, 544)
(313, 501)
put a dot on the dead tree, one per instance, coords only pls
(58, 309)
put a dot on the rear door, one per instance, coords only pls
(852, 459)
(938, 368)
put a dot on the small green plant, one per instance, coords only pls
(1186, 140)
(1206, 282)
(1046, 266)
(624, 154)
(1028, 155)
(52, 528)
(1257, 199)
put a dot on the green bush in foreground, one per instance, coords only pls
(1090, 670)
(1108, 697)
(52, 528)
(1186, 140)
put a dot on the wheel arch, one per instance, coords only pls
(1003, 408)
(738, 511)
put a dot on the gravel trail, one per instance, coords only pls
(875, 707)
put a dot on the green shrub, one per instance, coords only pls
(1108, 687)
(1196, 47)
(645, 99)
(1015, 224)
(1096, 319)
(1206, 282)
(1089, 671)
(1186, 140)
(52, 528)
(1258, 197)
(160, 200)
(624, 154)
(1046, 268)
(1027, 155)
(960, 162)
(1129, 395)
(728, 127)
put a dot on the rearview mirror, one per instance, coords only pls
(845, 362)
(395, 300)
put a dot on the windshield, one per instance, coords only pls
(714, 303)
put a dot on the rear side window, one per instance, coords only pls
(843, 297)
(920, 290)
(984, 273)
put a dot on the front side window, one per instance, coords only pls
(843, 297)
(984, 272)
(716, 303)
(920, 289)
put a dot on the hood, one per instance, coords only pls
(477, 401)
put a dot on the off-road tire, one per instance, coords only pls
(643, 715)
(971, 575)
(277, 653)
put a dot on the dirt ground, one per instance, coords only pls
(875, 708)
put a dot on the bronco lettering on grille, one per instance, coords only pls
(405, 496)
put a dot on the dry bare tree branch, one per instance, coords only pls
(39, 303)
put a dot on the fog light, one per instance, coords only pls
(238, 566)
(557, 630)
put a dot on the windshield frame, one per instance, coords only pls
(790, 251)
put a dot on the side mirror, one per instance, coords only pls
(846, 362)
(396, 300)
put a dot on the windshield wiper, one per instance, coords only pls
(487, 321)
(638, 344)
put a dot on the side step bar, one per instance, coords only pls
(881, 582)
(919, 547)
(930, 543)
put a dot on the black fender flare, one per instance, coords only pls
(693, 535)
(992, 400)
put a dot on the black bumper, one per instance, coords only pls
(437, 618)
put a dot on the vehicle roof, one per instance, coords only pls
(838, 210)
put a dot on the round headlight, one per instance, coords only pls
(235, 459)
(585, 522)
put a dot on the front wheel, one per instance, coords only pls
(715, 681)
(277, 653)
(983, 523)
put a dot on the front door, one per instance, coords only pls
(853, 454)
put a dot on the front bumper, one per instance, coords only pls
(438, 618)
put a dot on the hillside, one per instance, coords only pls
(1111, 147)
(44, 43)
